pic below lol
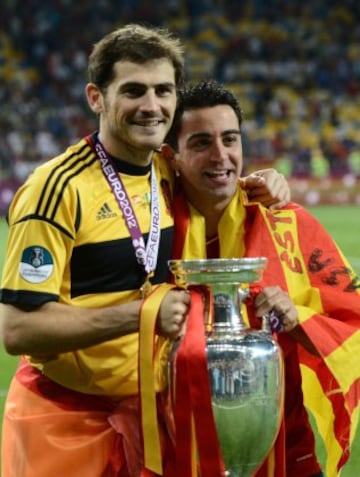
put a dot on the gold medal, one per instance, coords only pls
(146, 287)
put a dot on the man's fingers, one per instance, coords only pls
(251, 182)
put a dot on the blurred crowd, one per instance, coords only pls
(294, 65)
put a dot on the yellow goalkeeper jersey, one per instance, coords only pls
(70, 243)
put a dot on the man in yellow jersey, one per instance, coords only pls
(308, 282)
(90, 235)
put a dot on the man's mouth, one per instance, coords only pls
(219, 175)
(148, 123)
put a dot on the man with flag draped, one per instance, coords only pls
(308, 281)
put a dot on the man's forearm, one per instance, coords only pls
(57, 328)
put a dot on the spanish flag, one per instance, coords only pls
(305, 261)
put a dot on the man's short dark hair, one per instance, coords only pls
(138, 44)
(205, 94)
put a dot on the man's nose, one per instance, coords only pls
(218, 152)
(150, 101)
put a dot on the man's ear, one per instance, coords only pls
(94, 97)
(170, 155)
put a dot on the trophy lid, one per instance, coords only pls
(218, 270)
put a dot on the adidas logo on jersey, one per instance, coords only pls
(105, 212)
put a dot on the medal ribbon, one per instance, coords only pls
(146, 256)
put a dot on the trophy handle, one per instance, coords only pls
(208, 309)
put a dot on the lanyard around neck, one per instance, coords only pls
(146, 255)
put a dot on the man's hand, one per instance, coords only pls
(172, 314)
(268, 187)
(274, 298)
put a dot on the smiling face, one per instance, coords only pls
(209, 156)
(137, 108)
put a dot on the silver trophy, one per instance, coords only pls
(245, 365)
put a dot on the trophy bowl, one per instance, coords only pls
(245, 365)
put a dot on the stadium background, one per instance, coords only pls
(294, 65)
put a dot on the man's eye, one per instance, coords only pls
(230, 140)
(201, 144)
(134, 92)
(163, 90)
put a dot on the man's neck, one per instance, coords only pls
(211, 223)
(119, 151)
(212, 214)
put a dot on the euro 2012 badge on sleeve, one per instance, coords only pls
(36, 264)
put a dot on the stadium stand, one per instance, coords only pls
(295, 67)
